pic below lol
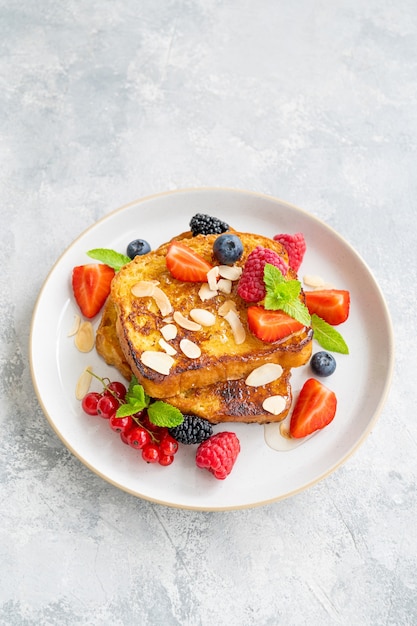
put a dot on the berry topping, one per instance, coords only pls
(202, 224)
(332, 305)
(323, 364)
(91, 286)
(295, 246)
(185, 264)
(271, 326)
(137, 247)
(218, 454)
(313, 410)
(192, 430)
(227, 249)
(251, 284)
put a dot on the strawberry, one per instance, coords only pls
(91, 286)
(271, 326)
(314, 409)
(332, 305)
(185, 264)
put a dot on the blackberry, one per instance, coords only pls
(202, 224)
(192, 430)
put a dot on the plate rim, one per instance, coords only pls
(365, 433)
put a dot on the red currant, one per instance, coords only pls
(89, 402)
(107, 406)
(150, 453)
(121, 424)
(168, 445)
(166, 459)
(138, 437)
(116, 389)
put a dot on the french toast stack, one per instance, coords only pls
(189, 343)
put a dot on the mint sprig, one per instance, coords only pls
(283, 295)
(113, 259)
(327, 336)
(160, 413)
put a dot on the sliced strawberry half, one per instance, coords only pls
(185, 264)
(332, 305)
(91, 286)
(314, 409)
(271, 326)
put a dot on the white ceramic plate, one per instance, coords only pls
(261, 474)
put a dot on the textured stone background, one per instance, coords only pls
(104, 102)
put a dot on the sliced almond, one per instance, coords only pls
(184, 322)
(83, 383)
(274, 404)
(284, 431)
(160, 362)
(205, 293)
(224, 285)
(236, 325)
(203, 317)
(169, 331)
(212, 276)
(162, 301)
(167, 347)
(231, 272)
(85, 339)
(264, 374)
(144, 288)
(75, 326)
(190, 349)
(227, 306)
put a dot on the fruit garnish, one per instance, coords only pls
(271, 326)
(113, 259)
(218, 454)
(251, 285)
(192, 430)
(227, 249)
(327, 336)
(323, 363)
(91, 287)
(314, 409)
(332, 305)
(137, 247)
(295, 246)
(202, 224)
(284, 295)
(185, 264)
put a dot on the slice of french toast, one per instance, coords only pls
(218, 355)
(229, 401)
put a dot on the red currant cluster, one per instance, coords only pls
(136, 430)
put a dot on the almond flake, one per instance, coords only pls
(203, 317)
(206, 293)
(162, 301)
(264, 374)
(312, 280)
(83, 383)
(274, 404)
(75, 326)
(144, 288)
(160, 362)
(224, 285)
(231, 272)
(84, 339)
(167, 347)
(169, 331)
(190, 349)
(236, 325)
(227, 306)
(184, 322)
(212, 276)
(284, 431)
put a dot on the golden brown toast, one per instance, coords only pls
(139, 322)
(230, 401)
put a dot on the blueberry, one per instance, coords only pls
(323, 364)
(137, 247)
(227, 249)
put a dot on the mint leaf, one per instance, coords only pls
(283, 295)
(298, 311)
(163, 414)
(327, 336)
(127, 409)
(272, 276)
(113, 259)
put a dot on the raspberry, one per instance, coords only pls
(218, 454)
(192, 430)
(202, 224)
(251, 284)
(295, 245)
